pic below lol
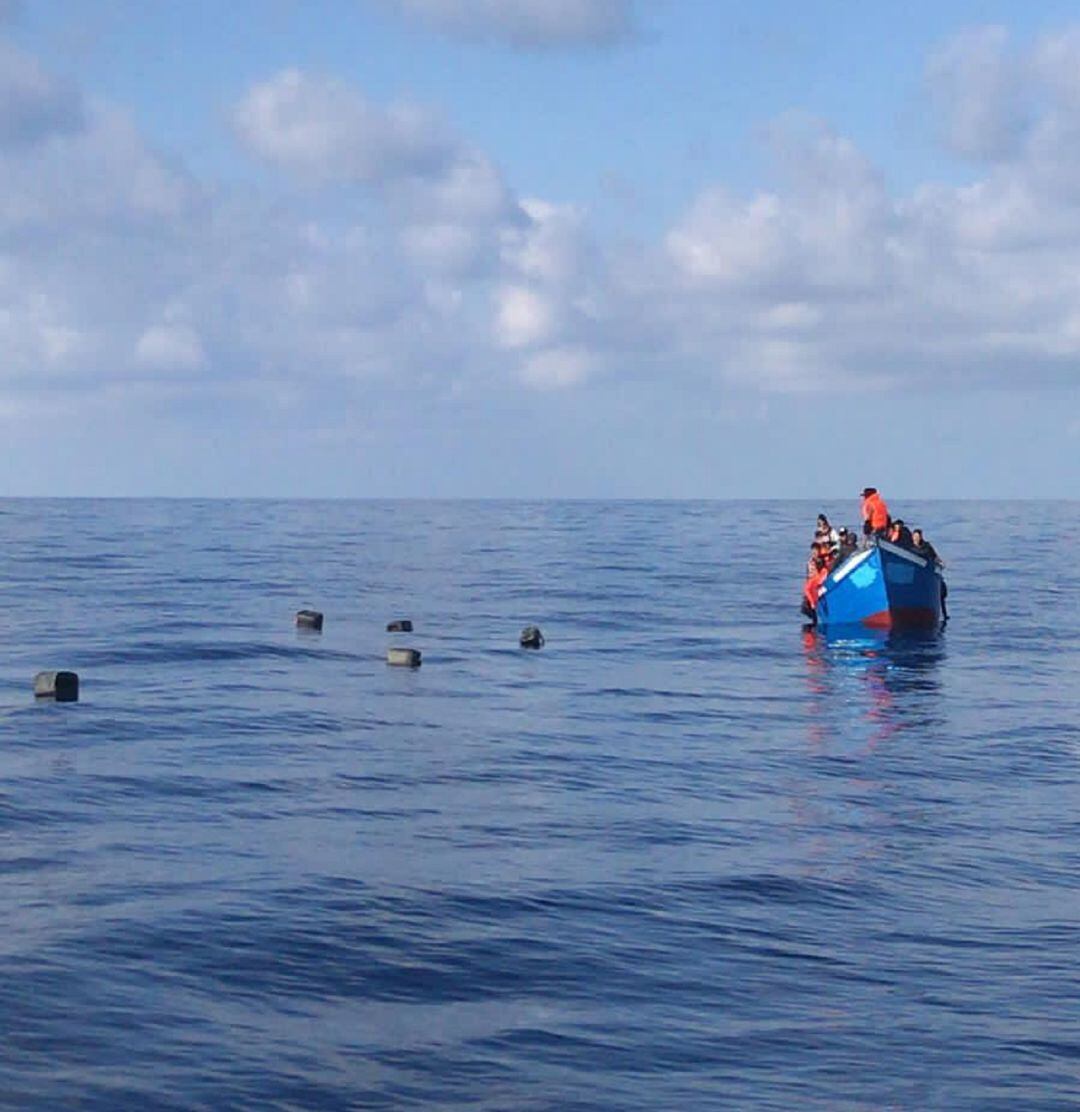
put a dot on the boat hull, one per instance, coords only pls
(883, 587)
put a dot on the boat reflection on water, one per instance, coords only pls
(868, 685)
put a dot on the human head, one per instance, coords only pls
(823, 520)
(916, 536)
(867, 491)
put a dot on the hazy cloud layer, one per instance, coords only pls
(526, 24)
(391, 255)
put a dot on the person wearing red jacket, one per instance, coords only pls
(875, 513)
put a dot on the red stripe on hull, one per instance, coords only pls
(903, 616)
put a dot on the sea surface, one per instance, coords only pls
(686, 856)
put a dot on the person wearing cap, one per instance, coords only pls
(875, 513)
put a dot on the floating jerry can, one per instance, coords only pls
(403, 658)
(61, 686)
(309, 619)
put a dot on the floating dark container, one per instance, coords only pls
(531, 638)
(404, 626)
(309, 619)
(403, 658)
(61, 686)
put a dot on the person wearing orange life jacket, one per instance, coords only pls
(875, 513)
(825, 532)
(817, 571)
(820, 553)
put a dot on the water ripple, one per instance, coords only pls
(686, 856)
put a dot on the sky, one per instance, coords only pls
(539, 248)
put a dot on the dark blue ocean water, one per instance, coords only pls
(686, 856)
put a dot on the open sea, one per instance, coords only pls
(686, 856)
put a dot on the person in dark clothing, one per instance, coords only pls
(848, 543)
(900, 534)
(922, 547)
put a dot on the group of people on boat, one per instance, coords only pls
(878, 524)
(832, 547)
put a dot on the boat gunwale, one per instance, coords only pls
(855, 560)
(896, 550)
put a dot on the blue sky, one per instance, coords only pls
(554, 248)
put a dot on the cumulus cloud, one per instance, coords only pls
(406, 262)
(1005, 104)
(325, 130)
(170, 347)
(524, 317)
(832, 282)
(826, 236)
(977, 85)
(552, 246)
(445, 249)
(448, 197)
(34, 105)
(37, 331)
(526, 24)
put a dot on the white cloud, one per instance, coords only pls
(170, 347)
(828, 232)
(103, 172)
(326, 131)
(978, 86)
(33, 105)
(421, 271)
(444, 249)
(469, 190)
(1052, 64)
(448, 199)
(790, 316)
(39, 335)
(524, 317)
(551, 246)
(558, 368)
(723, 239)
(830, 282)
(527, 24)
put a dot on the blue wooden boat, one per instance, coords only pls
(882, 587)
